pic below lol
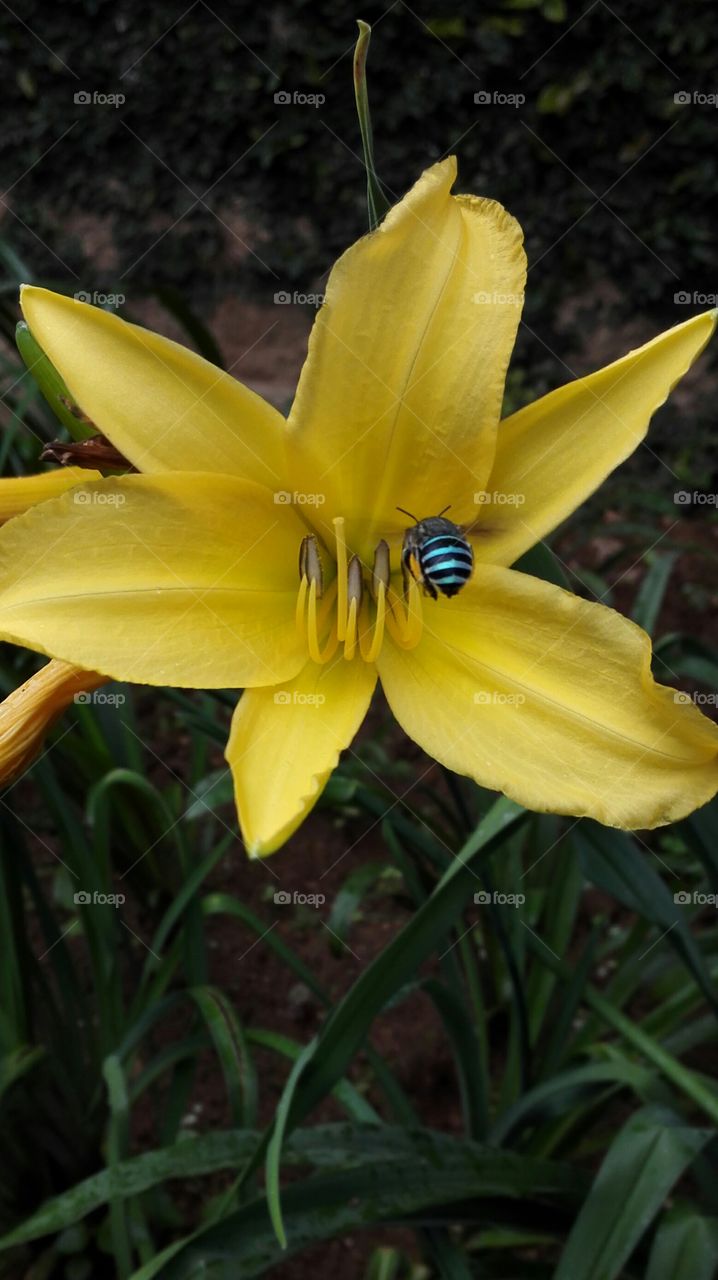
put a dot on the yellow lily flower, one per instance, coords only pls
(188, 574)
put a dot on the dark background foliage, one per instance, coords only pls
(599, 127)
(201, 182)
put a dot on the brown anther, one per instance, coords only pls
(310, 564)
(96, 454)
(355, 581)
(381, 571)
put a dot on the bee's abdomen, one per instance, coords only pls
(446, 562)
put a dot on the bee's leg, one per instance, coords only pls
(409, 569)
(405, 575)
(429, 589)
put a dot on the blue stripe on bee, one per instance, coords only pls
(446, 540)
(445, 566)
(441, 553)
(437, 553)
(455, 546)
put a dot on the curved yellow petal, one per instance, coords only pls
(161, 405)
(401, 392)
(19, 493)
(551, 455)
(550, 699)
(185, 579)
(286, 741)
(28, 712)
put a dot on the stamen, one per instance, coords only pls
(301, 600)
(344, 615)
(371, 652)
(355, 591)
(338, 523)
(310, 562)
(381, 572)
(314, 625)
(404, 618)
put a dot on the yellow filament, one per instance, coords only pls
(351, 624)
(404, 618)
(370, 652)
(301, 605)
(338, 523)
(315, 623)
(350, 642)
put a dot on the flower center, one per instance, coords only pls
(358, 606)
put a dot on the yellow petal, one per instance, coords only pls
(551, 455)
(28, 713)
(19, 493)
(184, 579)
(286, 741)
(161, 405)
(401, 392)
(531, 691)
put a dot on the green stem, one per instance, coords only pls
(377, 202)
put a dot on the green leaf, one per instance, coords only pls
(117, 1143)
(540, 562)
(463, 1038)
(359, 882)
(274, 1149)
(558, 1095)
(396, 1173)
(611, 861)
(688, 1082)
(333, 1147)
(210, 794)
(346, 1027)
(233, 1052)
(652, 590)
(644, 1161)
(355, 1105)
(685, 1245)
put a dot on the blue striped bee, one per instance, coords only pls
(437, 554)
